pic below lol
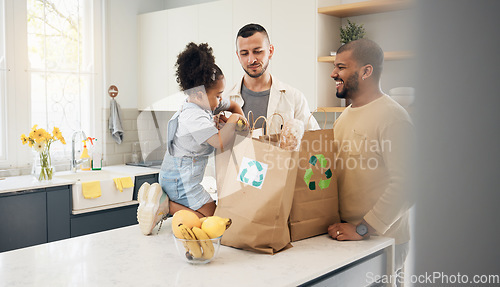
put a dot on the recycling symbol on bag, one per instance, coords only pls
(323, 183)
(252, 172)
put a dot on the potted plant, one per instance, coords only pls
(351, 32)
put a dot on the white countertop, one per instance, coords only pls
(27, 182)
(125, 257)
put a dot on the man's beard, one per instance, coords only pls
(259, 74)
(349, 86)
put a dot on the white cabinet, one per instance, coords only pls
(299, 33)
(164, 34)
(152, 62)
(182, 28)
(294, 39)
(215, 28)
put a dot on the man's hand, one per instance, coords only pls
(344, 231)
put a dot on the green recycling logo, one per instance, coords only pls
(252, 172)
(324, 183)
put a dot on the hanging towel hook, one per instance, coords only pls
(113, 91)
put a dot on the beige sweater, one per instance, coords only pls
(372, 163)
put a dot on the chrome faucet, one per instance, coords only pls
(74, 161)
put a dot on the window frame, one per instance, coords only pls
(3, 85)
(18, 93)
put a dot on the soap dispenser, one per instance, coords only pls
(85, 157)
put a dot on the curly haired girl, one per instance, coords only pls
(191, 138)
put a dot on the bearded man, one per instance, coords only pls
(260, 92)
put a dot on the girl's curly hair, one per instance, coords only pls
(196, 67)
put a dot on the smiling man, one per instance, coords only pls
(260, 92)
(372, 151)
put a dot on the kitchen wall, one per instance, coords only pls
(393, 31)
(121, 70)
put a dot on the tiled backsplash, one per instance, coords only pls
(146, 127)
(113, 153)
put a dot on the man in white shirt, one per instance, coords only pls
(260, 92)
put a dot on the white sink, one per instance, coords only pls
(109, 193)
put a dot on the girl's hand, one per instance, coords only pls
(234, 118)
(222, 118)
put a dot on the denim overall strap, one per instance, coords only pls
(171, 129)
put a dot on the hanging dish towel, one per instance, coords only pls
(115, 122)
(91, 189)
(123, 182)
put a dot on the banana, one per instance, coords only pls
(228, 222)
(193, 246)
(205, 242)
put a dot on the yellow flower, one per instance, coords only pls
(56, 132)
(32, 134)
(40, 139)
(47, 136)
(39, 146)
(24, 139)
(58, 135)
(39, 135)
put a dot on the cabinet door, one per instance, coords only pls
(182, 28)
(139, 180)
(152, 53)
(103, 220)
(245, 12)
(58, 213)
(215, 28)
(24, 220)
(294, 39)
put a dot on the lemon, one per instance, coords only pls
(214, 226)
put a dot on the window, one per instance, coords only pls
(3, 84)
(61, 65)
(50, 71)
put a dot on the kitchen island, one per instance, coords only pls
(125, 257)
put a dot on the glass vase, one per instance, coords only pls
(42, 166)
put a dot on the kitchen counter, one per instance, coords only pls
(125, 257)
(27, 182)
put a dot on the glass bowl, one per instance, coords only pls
(197, 251)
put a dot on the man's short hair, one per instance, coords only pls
(366, 52)
(249, 29)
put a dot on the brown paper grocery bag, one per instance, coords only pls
(315, 202)
(257, 195)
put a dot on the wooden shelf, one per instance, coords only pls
(331, 109)
(388, 56)
(364, 8)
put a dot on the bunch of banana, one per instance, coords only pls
(198, 244)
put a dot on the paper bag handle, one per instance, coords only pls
(252, 128)
(276, 114)
(317, 110)
(248, 117)
(266, 120)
